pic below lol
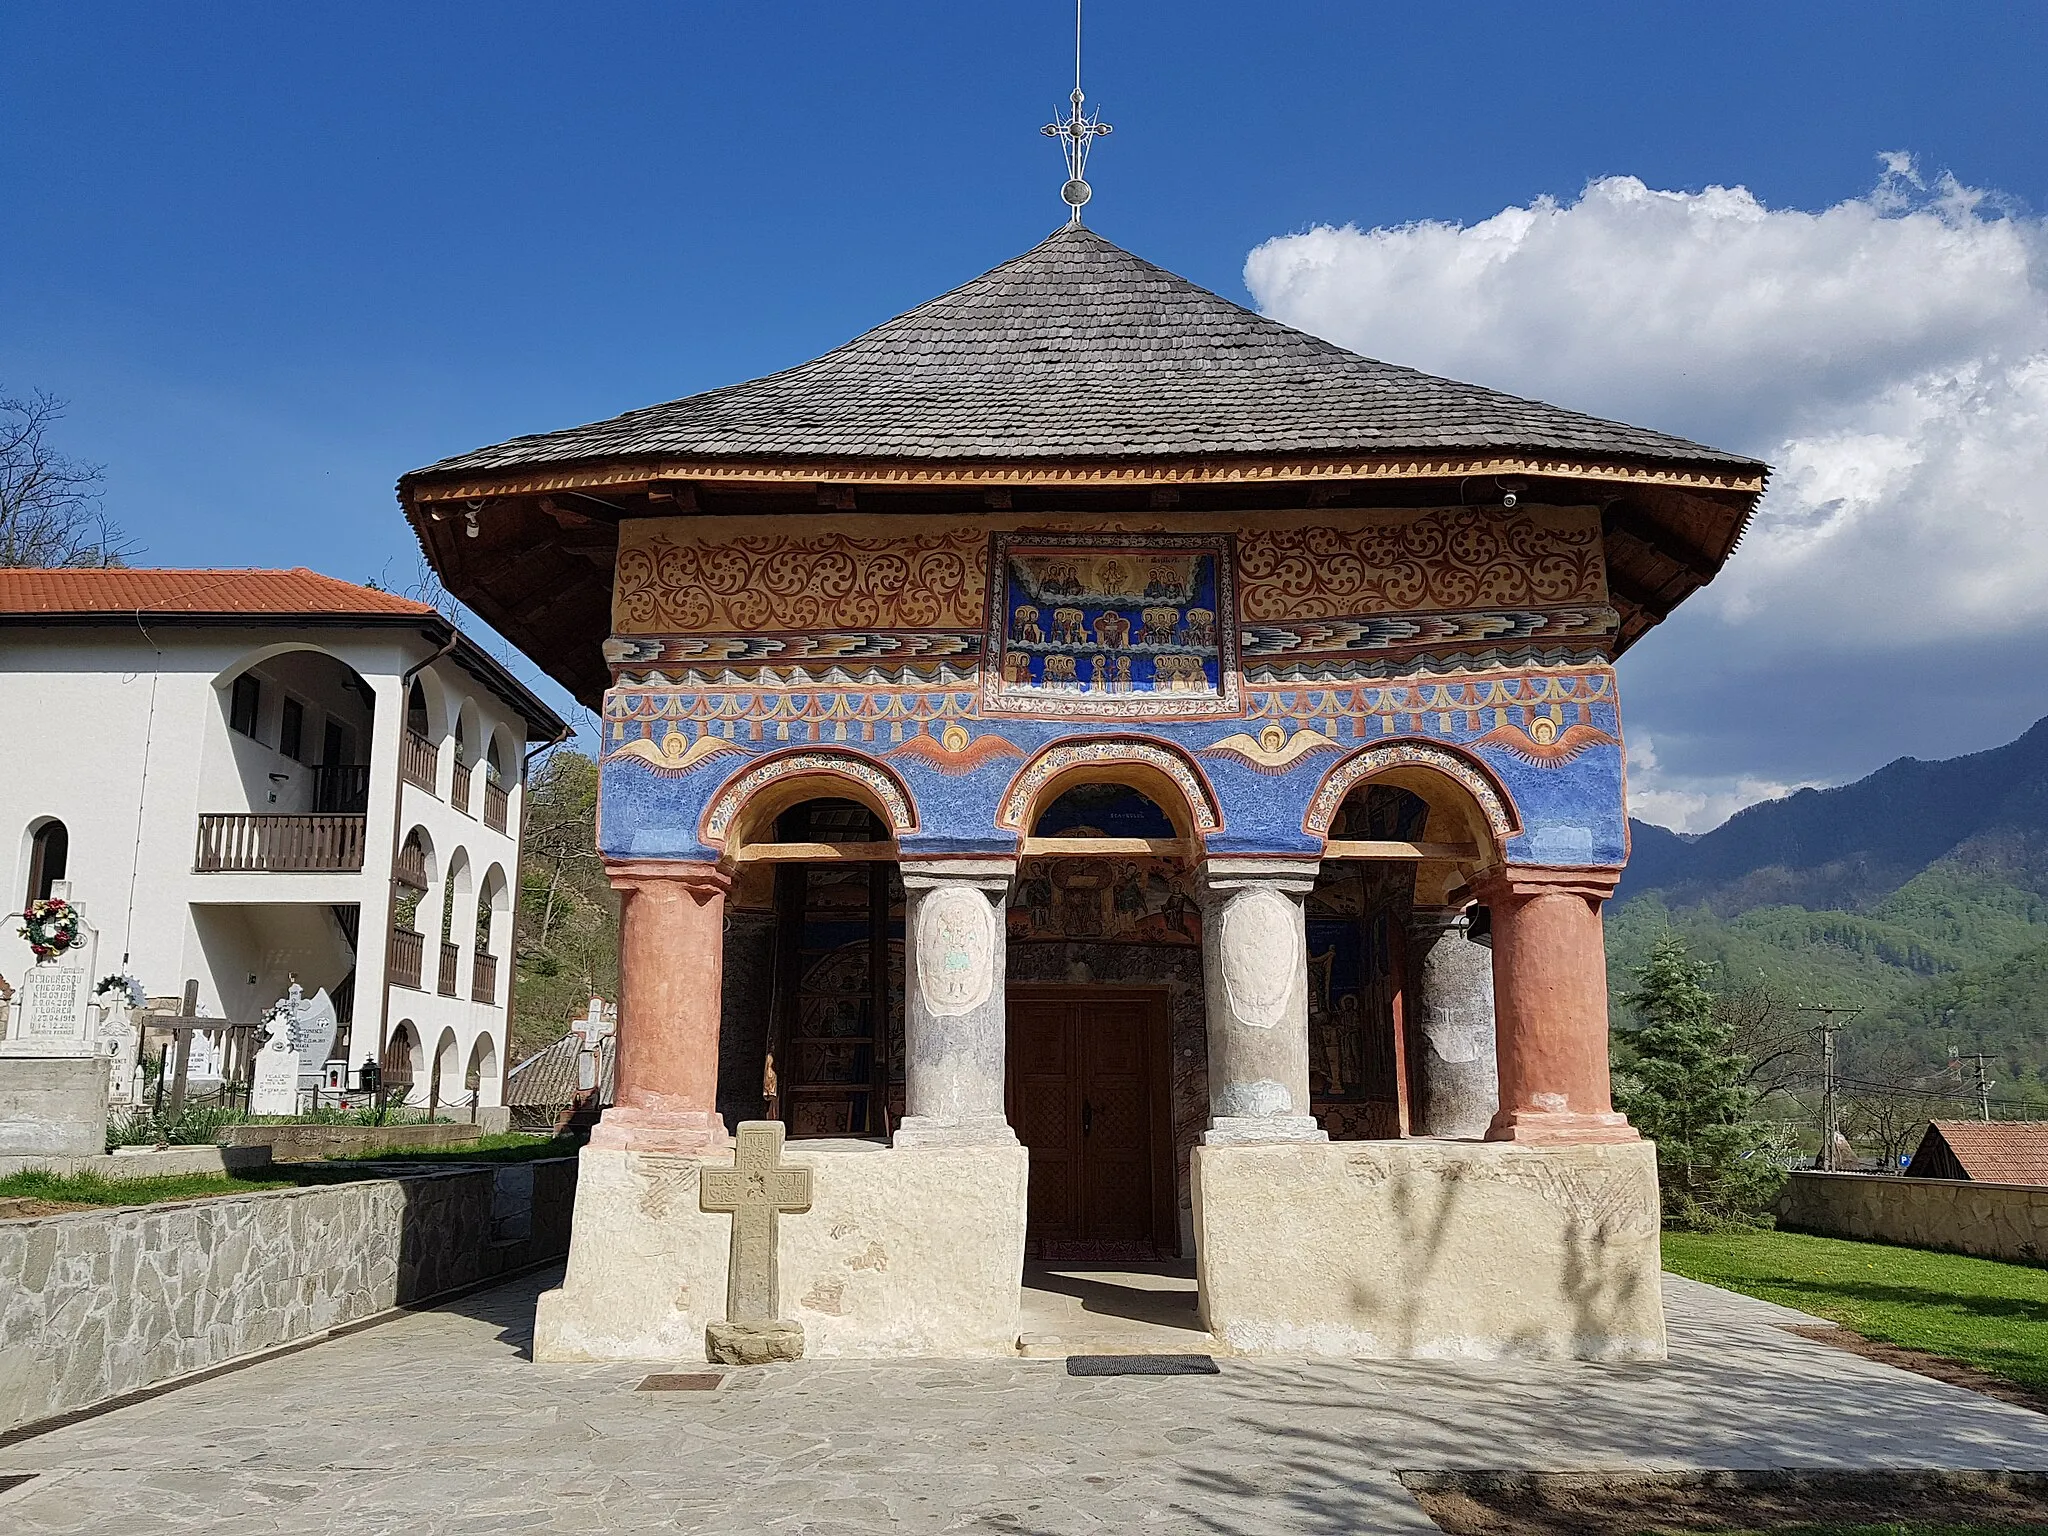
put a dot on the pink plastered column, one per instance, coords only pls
(1550, 1006)
(671, 956)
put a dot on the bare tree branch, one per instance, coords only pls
(50, 513)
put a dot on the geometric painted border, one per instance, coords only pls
(1055, 760)
(902, 817)
(1322, 809)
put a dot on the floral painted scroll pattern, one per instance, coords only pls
(831, 581)
(1453, 559)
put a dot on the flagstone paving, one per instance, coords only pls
(437, 1423)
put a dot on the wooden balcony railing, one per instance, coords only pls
(483, 980)
(277, 843)
(451, 952)
(342, 788)
(418, 760)
(404, 963)
(458, 789)
(411, 869)
(497, 801)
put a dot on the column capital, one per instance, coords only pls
(981, 871)
(1220, 873)
(699, 879)
(1521, 882)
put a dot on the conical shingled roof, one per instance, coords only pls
(1079, 350)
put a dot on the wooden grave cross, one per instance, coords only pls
(756, 1189)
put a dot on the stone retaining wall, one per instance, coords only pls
(1991, 1221)
(95, 1304)
(146, 1163)
(311, 1143)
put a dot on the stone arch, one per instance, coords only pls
(456, 891)
(1163, 774)
(444, 1086)
(748, 805)
(1466, 803)
(501, 756)
(469, 732)
(480, 1075)
(494, 912)
(402, 1060)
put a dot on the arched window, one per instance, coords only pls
(48, 855)
(416, 712)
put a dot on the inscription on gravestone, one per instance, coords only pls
(757, 1190)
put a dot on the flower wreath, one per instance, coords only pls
(50, 926)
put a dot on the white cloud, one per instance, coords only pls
(1888, 355)
(1688, 804)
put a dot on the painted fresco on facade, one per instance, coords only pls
(1464, 638)
(1125, 627)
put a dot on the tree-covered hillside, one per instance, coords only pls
(1919, 895)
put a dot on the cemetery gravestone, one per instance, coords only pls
(53, 1079)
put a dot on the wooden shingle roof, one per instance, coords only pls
(1079, 350)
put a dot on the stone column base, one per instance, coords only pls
(904, 1251)
(931, 1131)
(1560, 1128)
(685, 1133)
(1431, 1250)
(753, 1343)
(1245, 1130)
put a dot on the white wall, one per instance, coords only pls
(122, 733)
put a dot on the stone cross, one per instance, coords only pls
(756, 1189)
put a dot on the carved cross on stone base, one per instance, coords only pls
(757, 1190)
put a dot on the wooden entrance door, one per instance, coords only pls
(1089, 1096)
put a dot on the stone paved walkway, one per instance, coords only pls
(437, 1423)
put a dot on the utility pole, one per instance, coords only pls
(1984, 1085)
(1830, 1110)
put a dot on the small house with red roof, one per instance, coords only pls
(250, 777)
(1983, 1151)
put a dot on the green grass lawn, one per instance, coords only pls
(93, 1189)
(1979, 1311)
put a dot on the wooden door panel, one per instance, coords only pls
(1116, 1179)
(1087, 1092)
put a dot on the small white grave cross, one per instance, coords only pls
(756, 1189)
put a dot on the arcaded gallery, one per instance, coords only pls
(1115, 778)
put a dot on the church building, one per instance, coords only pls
(1115, 777)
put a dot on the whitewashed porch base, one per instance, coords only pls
(905, 1251)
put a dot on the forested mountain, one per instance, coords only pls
(1918, 894)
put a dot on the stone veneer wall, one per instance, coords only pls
(1992, 1221)
(95, 1304)
(312, 1143)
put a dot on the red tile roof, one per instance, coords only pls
(298, 591)
(1997, 1151)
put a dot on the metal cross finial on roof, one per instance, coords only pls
(1077, 130)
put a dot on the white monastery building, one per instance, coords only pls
(248, 777)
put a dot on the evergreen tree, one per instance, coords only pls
(1683, 1085)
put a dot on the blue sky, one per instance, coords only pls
(277, 255)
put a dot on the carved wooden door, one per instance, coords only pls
(1088, 1096)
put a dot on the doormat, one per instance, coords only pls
(1141, 1365)
(683, 1381)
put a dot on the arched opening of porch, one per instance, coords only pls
(1401, 1027)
